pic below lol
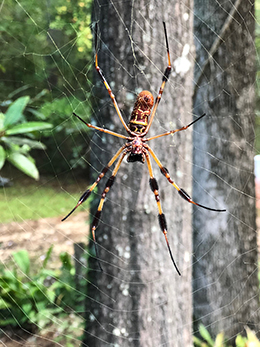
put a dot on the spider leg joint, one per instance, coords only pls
(162, 222)
(153, 184)
(84, 196)
(184, 195)
(167, 73)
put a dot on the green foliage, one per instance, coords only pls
(44, 44)
(206, 336)
(28, 299)
(79, 14)
(15, 148)
(22, 297)
(59, 113)
(67, 130)
(48, 46)
(207, 341)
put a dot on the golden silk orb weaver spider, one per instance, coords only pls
(136, 148)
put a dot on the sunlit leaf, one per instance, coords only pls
(252, 339)
(24, 164)
(240, 341)
(15, 111)
(205, 334)
(4, 304)
(22, 260)
(28, 127)
(198, 342)
(2, 68)
(2, 156)
(37, 114)
(27, 308)
(219, 342)
(23, 141)
(2, 117)
(47, 257)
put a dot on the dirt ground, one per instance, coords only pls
(36, 237)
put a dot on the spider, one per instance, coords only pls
(136, 148)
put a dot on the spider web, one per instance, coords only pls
(67, 86)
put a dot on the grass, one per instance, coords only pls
(27, 199)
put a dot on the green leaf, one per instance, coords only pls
(28, 127)
(240, 341)
(37, 114)
(41, 306)
(205, 334)
(23, 141)
(24, 164)
(22, 260)
(27, 308)
(2, 68)
(252, 339)
(2, 118)
(66, 261)
(15, 111)
(47, 257)
(9, 321)
(197, 341)
(2, 156)
(219, 342)
(4, 304)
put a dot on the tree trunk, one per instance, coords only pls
(139, 299)
(225, 281)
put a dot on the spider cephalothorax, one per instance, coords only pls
(137, 149)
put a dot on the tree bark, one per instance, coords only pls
(139, 299)
(225, 283)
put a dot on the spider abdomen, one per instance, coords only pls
(142, 109)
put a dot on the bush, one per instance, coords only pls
(250, 340)
(18, 138)
(28, 300)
